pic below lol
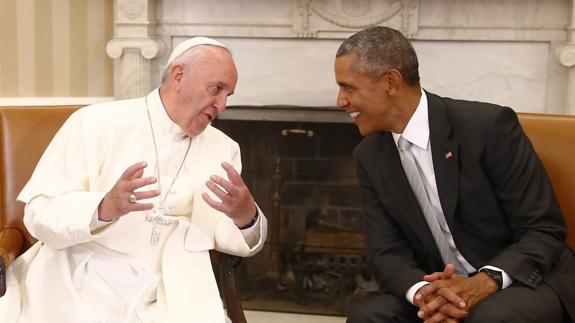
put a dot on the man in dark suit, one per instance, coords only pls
(461, 221)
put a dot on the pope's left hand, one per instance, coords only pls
(236, 200)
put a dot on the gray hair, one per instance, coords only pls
(378, 49)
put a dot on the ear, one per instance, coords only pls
(176, 74)
(394, 80)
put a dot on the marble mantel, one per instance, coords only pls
(518, 53)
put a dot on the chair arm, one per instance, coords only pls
(11, 243)
(226, 265)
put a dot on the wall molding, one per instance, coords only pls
(51, 101)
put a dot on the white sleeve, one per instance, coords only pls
(60, 200)
(63, 220)
(507, 280)
(253, 235)
(413, 289)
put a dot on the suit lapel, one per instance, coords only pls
(445, 155)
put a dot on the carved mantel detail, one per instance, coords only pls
(149, 48)
(355, 13)
(314, 16)
(131, 9)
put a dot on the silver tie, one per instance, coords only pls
(433, 216)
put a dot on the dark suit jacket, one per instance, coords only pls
(495, 194)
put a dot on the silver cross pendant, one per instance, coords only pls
(157, 219)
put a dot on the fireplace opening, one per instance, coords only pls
(302, 176)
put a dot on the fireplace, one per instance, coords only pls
(302, 176)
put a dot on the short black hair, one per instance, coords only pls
(378, 49)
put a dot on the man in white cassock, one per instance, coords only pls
(127, 200)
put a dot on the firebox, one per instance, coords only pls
(302, 176)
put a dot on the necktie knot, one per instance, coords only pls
(403, 144)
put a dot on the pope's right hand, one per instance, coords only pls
(117, 202)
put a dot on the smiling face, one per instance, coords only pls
(367, 101)
(199, 87)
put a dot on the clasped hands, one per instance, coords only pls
(449, 297)
(236, 200)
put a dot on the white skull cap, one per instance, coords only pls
(192, 42)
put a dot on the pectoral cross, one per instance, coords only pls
(157, 219)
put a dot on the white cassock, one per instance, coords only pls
(86, 271)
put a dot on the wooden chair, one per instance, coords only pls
(24, 135)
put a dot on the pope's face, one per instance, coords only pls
(203, 90)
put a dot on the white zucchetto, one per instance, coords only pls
(192, 42)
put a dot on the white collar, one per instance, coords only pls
(417, 129)
(160, 117)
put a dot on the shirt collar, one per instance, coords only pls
(417, 129)
(160, 117)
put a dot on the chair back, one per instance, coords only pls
(25, 132)
(553, 137)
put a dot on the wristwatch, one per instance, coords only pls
(495, 274)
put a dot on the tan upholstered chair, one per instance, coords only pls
(553, 137)
(24, 134)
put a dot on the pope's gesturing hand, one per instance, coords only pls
(123, 199)
(236, 200)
